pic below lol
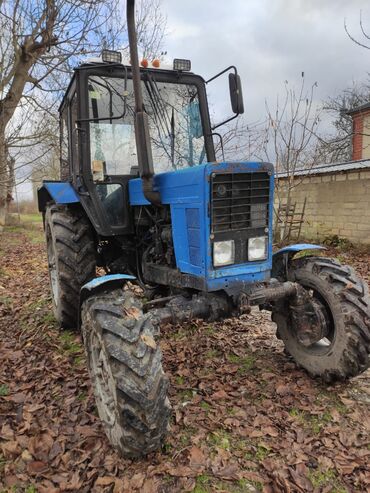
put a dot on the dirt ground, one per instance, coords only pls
(245, 418)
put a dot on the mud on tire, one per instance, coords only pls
(345, 297)
(125, 365)
(71, 259)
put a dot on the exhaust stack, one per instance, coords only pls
(143, 147)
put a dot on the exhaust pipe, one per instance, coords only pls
(143, 147)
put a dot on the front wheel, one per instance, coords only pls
(342, 299)
(125, 366)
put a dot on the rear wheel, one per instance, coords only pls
(125, 366)
(342, 300)
(71, 259)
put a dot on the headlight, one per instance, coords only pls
(257, 248)
(223, 253)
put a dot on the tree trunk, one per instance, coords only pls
(3, 177)
(10, 187)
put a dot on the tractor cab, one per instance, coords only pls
(98, 138)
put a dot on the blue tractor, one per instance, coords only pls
(179, 236)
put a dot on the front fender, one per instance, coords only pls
(111, 281)
(281, 258)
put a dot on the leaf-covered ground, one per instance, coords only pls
(245, 418)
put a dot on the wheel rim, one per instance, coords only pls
(325, 344)
(105, 388)
(52, 266)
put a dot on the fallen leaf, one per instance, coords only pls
(148, 340)
(104, 481)
(197, 459)
(137, 480)
(230, 472)
(37, 467)
(219, 395)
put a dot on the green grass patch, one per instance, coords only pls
(202, 484)
(49, 319)
(180, 380)
(82, 396)
(204, 405)
(209, 330)
(31, 218)
(332, 399)
(2, 462)
(31, 489)
(245, 363)
(312, 422)
(71, 347)
(212, 353)
(38, 304)
(36, 236)
(177, 334)
(257, 452)
(187, 395)
(221, 439)
(231, 411)
(262, 451)
(3, 272)
(13, 229)
(5, 300)
(78, 360)
(207, 484)
(321, 479)
(186, 435)
(69, 342)
(4, 391)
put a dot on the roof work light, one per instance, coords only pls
(111, 56)
(181, 64)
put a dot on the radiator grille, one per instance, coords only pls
(239, 201)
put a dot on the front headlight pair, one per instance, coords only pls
(224, 251)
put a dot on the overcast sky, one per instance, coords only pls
(270, 41)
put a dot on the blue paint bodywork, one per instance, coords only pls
(99, 281)
(187, 192)
(298, 248)
(61, 192)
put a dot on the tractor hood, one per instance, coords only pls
(199, 219)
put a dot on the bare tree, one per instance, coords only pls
(237, 140)
(290, 139)
(337, 147)
(40, 43)
(365, 41)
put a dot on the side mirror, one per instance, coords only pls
(236, 93)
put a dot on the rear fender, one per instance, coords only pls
(57, 191)
(282, 258)
(110, 282)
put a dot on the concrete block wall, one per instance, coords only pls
(337, 204)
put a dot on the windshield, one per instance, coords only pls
(174, 124)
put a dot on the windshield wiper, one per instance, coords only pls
(173, 137)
